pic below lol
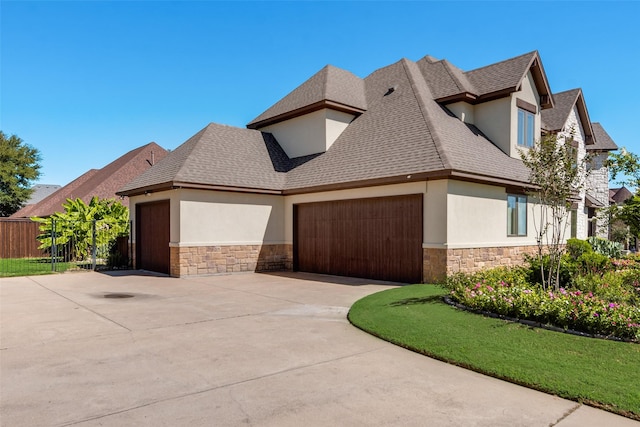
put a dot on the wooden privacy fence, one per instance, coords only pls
(18, 238)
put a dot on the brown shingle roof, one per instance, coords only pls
(554, 119)
(221, 155)
(404, 132)
(502, 75)
(330, 86)
(102, 183)
(619, 195)
(603, 141)
(448, 83)
(444, 79)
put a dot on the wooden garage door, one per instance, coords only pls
(152, 236)
(378, 238)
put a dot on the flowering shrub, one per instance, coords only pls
(506, 292)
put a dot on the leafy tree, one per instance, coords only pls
(629, 213)
(558, 176)
(625, 167)
(74, 226)
(19, 166)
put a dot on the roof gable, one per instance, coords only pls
(450, 84)
(554, 119)
(331, 87)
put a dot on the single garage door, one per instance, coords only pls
(377, 238)
(152, 236)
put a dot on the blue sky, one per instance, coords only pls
(87, 81)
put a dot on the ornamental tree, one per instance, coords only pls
(558, 176)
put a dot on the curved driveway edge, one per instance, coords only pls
(255, 349)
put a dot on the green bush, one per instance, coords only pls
(567, 270)
(577, 247)
(593, 263)
(511, 275)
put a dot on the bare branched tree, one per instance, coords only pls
(559, 175)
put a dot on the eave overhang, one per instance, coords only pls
(320, 105)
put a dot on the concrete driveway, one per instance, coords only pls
(246, 349)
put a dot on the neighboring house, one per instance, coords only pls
(40, 191)
(618, 196)
(409, 174)
(102, 183)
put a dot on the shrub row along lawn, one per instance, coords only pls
(601, 373)
(10, 267)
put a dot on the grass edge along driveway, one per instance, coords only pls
(595, 372)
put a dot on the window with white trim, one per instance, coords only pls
(526, 128)
(516, 215)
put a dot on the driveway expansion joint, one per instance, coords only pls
(566, 414)
(78, 304)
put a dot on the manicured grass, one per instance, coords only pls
(601, 373)
(10, 267)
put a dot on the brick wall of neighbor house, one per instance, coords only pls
(438, 263)
(203, 260)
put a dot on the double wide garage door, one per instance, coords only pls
(377, 238)
(152, 236)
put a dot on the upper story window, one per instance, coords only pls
(526, 128)
(526, 123)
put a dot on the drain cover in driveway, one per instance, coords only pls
(118, 296)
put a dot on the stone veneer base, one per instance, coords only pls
(204, 260)
(440, 263)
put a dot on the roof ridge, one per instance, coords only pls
(325, 81)
(448, 66)
(423, 110)
(567, 91)
(195, 140)
(503, 61)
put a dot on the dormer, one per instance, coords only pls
(569, 115)
(310, 118)
(503, 100)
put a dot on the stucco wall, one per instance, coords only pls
(309, 134)
(528, 93)
(498, 119)
(493, 118)
(477, 217)
(225, 218)
(463, 111)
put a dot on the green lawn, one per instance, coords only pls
(30, 266)
(600, 373)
